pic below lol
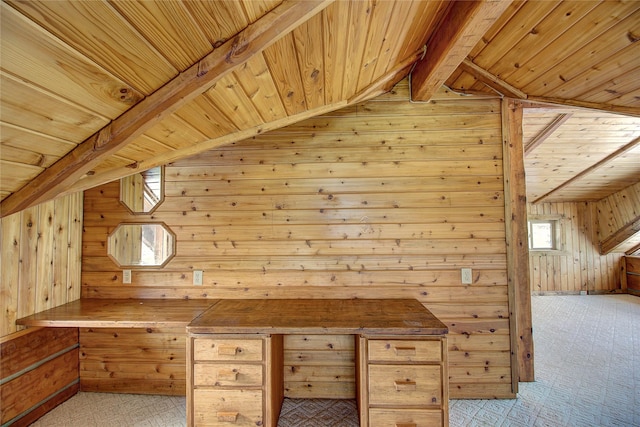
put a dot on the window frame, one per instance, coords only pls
(557, 227)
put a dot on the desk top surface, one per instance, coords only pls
(318, 316)
(120, 313)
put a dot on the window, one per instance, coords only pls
(544, 235)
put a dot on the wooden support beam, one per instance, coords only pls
(519, 289)
(378, 87)
(546, 132)
(634, 250)
(609, 244)
(373, 90)
(182, 89)
(601, 163)
(493, 81)
(609, 108)
(462, 27)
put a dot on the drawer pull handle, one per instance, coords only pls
(228, 375)
(406, 425)
(405, 351)
(228, 416)
(405, 385)
(228, 350)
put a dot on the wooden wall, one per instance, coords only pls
(387, 199)
(579, 265)
(38, 371)
(40, 256)
(133, 360)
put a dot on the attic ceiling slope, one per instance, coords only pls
(574, 53)
(135, 58)
(182, 89)
(77, 73)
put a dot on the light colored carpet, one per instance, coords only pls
(587, 365)
(587, 351)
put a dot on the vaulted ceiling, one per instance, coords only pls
(94, 91)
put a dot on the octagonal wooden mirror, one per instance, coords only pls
(141, 245)
(143, 192)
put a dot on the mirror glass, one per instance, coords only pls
(142, 192)
(141, 245)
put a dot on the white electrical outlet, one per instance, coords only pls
(197, 277)
(467, 276)
(126, 276)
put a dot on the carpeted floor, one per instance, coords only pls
(587, 351)
(587, 365)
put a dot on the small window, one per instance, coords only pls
(543, 235)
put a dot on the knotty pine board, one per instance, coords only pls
(133, 360)
(42, 245)
(385, 200)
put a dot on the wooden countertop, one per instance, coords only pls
(120, 313)
(318, 316)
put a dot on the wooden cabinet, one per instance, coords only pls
(405, 382)
(233, 380)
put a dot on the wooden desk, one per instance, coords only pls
(234, 356)
(120, 313)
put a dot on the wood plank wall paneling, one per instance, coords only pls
(313, 364)
(135, 360)
(386, 199)
(39, 370)
(578, 266)
(40, 254)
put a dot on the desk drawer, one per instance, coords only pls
(404, 418)
(405, 385)
(227, 375)
(218, 349)
(405, 350)
(227, 408)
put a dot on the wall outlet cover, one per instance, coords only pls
(197, 277)
(126, 276)
(467, 276)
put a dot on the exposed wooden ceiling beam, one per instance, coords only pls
(609, 108)
(493, 81)
(376, 88)
(609, 244)
(590, 169)
(634, 250)
(462, 27)
(183, 88)
(546, 132)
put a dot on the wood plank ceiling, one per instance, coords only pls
(94, 91)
